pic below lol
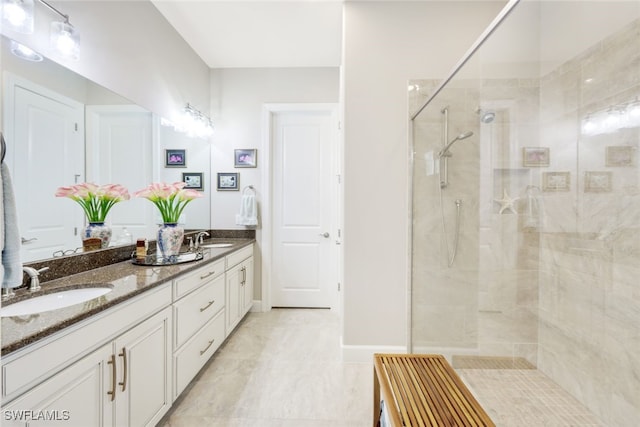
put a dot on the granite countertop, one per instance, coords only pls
(125, 278)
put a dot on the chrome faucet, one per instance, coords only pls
(199, 239)
(34, 277)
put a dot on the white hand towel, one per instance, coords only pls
(248, 211)
(11, 264)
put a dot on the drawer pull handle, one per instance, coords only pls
(207, 306)
(112, 361)
(124, 371)
(211, 273)
(205, 350)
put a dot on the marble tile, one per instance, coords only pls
(525, 397)
(280, 368)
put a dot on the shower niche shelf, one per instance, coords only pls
(511, 183)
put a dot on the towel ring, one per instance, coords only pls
(249, 188)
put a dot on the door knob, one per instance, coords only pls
(325, 235)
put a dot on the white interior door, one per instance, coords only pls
(303, 263)
(120, 151)
(45, 149)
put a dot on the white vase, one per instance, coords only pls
(99, 230)
(170, 237)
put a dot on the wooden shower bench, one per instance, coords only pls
(423, 390)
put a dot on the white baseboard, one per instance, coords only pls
(364, 353)
(256, 307)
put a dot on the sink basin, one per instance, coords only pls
(217, 245)
(53, 301)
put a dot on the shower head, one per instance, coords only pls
(486, 116)
(445, 151)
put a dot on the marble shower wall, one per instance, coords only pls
(589, 332)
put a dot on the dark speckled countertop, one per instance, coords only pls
(126, 279)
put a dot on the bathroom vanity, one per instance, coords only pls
(122, 359)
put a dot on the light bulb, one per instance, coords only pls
(613, 121)
(589, 126)
(634, 109)
(18, 15)
(65, 39)
(24, 52)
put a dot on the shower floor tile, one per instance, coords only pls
(525, 398)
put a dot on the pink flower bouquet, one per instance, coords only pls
(96, 200)
(171, 199)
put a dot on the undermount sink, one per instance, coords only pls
(216, 245)
(53, 301)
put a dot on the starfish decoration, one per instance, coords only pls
(506, 203)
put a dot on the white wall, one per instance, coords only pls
(238, 96)
(386, 44)
(129, 48)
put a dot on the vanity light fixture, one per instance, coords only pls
(195, 123)
(24, 52)
(17, 15)
(64, 37)
(613, 118)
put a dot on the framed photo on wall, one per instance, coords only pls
(535, 156)
(194, 180)
(597, 182)
(245, 158)
(622, 156)
(556, 181)
(175, 158)
(228, 181)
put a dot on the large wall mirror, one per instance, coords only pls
(62, 129)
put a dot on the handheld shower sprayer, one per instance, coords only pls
(445, 151)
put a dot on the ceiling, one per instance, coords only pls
(259, 33)
(308, 33)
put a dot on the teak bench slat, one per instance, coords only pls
(423, 390)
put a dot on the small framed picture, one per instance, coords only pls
(556, 181)
(245, 158)
(623, 156)
(535, 156)
(597, 182)
(174, 158)
(228, 181)
(194, 180)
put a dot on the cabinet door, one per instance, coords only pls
(247, 287)
(143, 356)
(234, 281)
(76, 396)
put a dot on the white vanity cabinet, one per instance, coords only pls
(125, 366)
(140, 387)
(199, 327)
(74, 397)
(239, 286)
(125, 382)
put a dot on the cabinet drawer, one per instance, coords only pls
(186, 284)
(194, 310)
(196, 352)
(238, 256)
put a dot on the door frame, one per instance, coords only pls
(268, 113)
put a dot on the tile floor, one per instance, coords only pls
(283, 369)
(279, 369)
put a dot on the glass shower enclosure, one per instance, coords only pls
(526, 203)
